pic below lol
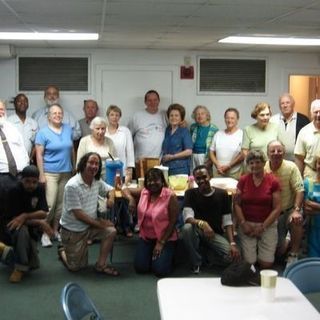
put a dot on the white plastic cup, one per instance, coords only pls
(268, 284)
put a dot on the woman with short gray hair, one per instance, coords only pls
(257, 207)
(97, 142)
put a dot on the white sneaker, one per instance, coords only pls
(292, 257)
(45, 241)
(57, 236)
(195, 269)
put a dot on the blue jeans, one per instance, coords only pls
(161, 266)
(120, 214)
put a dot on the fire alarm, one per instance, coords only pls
(186, 72)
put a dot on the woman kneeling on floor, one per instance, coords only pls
(158, 210)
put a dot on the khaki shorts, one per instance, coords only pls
(76, 247)
(263, 248)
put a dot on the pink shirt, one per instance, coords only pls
(153, 217)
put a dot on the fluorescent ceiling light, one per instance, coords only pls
(276, 41)
(47, 36)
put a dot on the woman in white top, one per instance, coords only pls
(225, 150)
(122, 139)
(97, 142)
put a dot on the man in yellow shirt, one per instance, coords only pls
(291, 183)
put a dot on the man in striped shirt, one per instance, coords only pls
(79, 220)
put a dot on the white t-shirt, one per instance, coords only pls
(123, 143)
(27, 129)
(227, 147)
(148, 133)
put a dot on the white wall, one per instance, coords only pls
(279, 66)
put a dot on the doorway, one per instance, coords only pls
(304, 89)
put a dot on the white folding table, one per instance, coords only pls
(207, 299)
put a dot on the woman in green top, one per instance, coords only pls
(202, 132)
(259, 134)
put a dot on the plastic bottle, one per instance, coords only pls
(117, 180)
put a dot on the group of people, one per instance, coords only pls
(56, 167)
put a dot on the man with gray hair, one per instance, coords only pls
(308, 143)
(51, 96)
(289, 122)
(90, 109)
(291, 183)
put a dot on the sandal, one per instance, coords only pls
(107, 270)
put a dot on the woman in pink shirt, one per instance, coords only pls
(158, 209)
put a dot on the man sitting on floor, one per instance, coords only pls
(79, 219)
(207, 210)
(27, 210)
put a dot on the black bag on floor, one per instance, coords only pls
(240, 274)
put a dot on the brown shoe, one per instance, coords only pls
(16, 276)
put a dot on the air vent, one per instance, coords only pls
(232, 75)
(68, 74)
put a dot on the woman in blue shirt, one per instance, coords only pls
(54, 152)
(177, 143)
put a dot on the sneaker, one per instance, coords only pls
(196, 269)
(16, 276)
(6, 254)
(292, 257)
(45, 241)
(57, 236)
(136, 228)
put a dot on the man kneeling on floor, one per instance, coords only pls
(206, 212)
(79, 219)
(25, 220)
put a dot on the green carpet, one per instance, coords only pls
(130, 296)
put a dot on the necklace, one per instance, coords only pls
(257, 181)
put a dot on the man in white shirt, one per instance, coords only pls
(15, 142)
(27, 126)
(290, 123)
(10, 139)
(51, 96)
(148, 127)
(307, 147)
